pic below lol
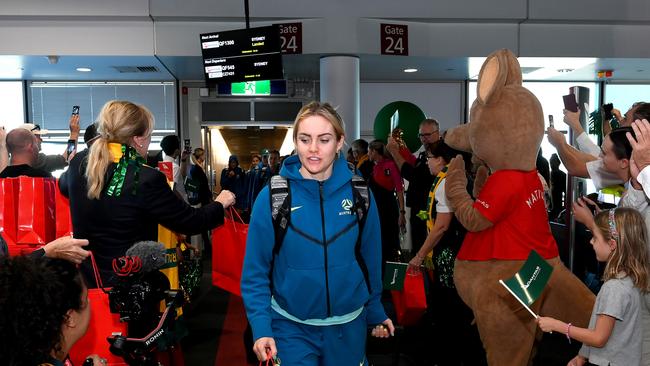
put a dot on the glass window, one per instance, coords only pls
(50, 105)
(51, 102)
(12, 105)
(624, 95)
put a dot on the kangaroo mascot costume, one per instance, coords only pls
(508, 219)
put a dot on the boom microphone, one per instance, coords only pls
(151, 254)
(141, 287)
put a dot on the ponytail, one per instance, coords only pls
(99, 159)
(119, 122)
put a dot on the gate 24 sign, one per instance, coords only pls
(291, 37)
(394, 39)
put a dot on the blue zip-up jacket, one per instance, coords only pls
(316, 274)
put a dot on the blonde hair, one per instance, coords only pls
(324, 110)
(631, 254)
(119, 121)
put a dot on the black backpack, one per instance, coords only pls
(281, 214)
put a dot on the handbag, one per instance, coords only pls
(228, 248)
(411, 302)
(102, 324)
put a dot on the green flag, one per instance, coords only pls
(527, 284)
(394, 273)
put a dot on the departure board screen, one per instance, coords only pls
(242, 55)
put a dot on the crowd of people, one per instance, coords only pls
(312, 290)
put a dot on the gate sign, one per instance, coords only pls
(394, 39)
(291, 37)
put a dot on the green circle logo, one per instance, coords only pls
(404, 115)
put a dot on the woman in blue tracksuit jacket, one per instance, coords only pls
(315, 306)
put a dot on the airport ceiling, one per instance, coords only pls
(372, 68)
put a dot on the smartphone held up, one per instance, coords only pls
(71, 148)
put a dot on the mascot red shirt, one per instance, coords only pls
(513, 201)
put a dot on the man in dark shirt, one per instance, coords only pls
(274, 162)
(50, 163)
(90, 135)
(419, 178)
(23, 148)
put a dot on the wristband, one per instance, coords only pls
(568, 330)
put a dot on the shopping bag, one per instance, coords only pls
(411, 302)
(167, 168)
(35, 219)
(8, 212)
(63, 224)
(228, 248)
(102, 324)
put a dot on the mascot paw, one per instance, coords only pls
(481, 176)
(457, 163)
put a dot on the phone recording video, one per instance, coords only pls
(570, 103)
(72, 146)
(187, 145)
(550, 121)
(75, 110)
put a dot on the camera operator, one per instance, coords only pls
(45, 310)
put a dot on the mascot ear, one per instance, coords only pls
(458, 138)
(501, 68)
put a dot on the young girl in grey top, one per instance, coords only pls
(614, 334)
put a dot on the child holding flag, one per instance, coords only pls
(614, 335)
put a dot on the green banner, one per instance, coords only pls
(394, 274)
(529, 282)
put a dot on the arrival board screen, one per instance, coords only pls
(242, 55)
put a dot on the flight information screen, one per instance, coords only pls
(242, 55)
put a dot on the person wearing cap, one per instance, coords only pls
(23, 148)
(50, 163)
(171, 147)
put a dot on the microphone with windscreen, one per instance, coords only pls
(141, 286)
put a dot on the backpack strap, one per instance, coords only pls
(280, 208)
(361, 206)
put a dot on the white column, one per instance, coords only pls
(339, 86)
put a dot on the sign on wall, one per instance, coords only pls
(394, 39)
(291, 37)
